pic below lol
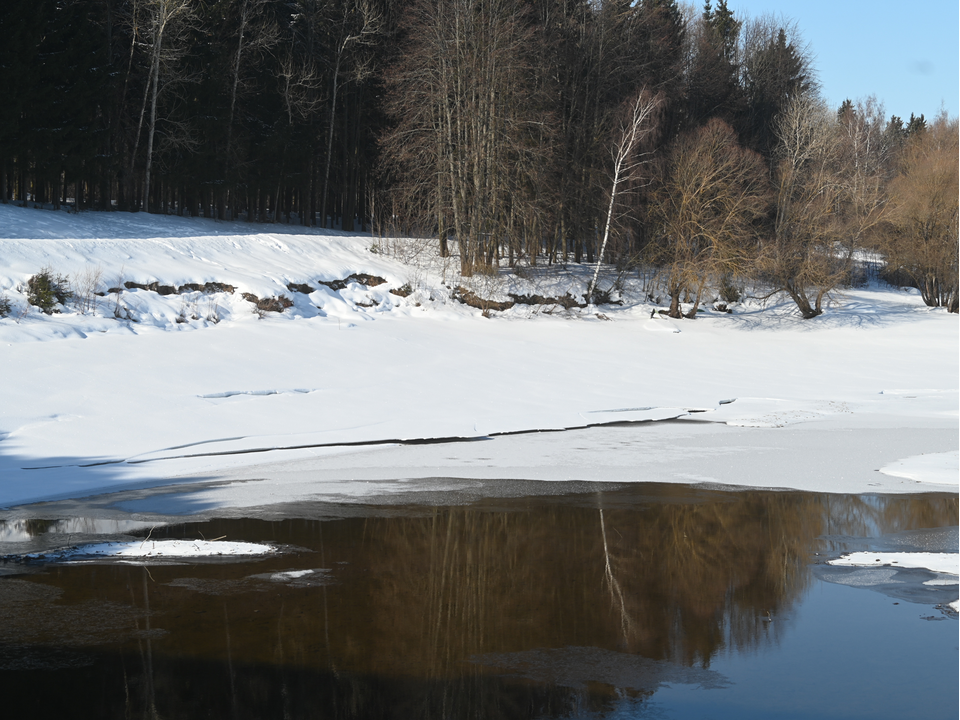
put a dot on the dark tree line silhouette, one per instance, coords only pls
(492, 125)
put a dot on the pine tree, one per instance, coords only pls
(916, 125)
(776, 72)
(846, 110)
(60, 106)
(725, 26)
(713, 88)
(21, 28)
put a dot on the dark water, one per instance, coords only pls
(650, 601)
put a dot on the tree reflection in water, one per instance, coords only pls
(464, 611)
(671, 582)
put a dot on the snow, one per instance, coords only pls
(946, 563)
(291, 575)
(941, 468)
(143, 549)
(949, 580)
(197, 393)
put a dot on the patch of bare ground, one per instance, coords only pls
(271, 304)
(468, 297)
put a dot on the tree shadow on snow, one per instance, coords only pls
(56, 487)
(884, 307)
(48, 224)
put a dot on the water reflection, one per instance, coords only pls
(531, 607)
(25, 530)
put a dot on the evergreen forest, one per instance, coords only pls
(646, 133)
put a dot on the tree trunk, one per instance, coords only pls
(674, 311)
(152, 125)
(803, 304)
(692, 314)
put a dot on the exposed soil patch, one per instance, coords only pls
(567, 301)
(274, 304)
(368, 280)
(271, 304)
(361, 278)
(461, 294)
(209, 288)
(154, 286)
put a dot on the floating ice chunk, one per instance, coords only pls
(868, 578)
(947, 563)
(157, 549)
(290, 575)
(945, 580)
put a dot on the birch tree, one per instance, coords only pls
(636, 124)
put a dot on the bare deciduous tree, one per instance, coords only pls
(165, 30)
(866, 152)
(255, 34)
(805, 259)
(923, 223)
(358, 26)
(704, 208)
(468, 142)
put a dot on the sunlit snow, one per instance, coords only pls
(334, 397)
(946, 563)
(935, 467)
(158, 549)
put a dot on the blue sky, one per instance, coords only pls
(905, 53)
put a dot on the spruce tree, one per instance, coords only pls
(916, 125)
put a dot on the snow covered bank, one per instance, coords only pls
(93, 403)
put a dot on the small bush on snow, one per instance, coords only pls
(729, 292)
(45, 290)
(86, 285)
(5, 306)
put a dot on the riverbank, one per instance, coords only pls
(353, 390)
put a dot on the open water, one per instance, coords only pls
(656, 601)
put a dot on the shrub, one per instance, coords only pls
(86, 286)
(46, 290)
(728, 290)
(5, 306)
(403, 291)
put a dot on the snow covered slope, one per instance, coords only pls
(177, 377)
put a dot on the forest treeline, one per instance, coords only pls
(686, 139)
